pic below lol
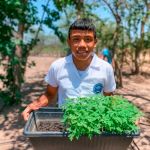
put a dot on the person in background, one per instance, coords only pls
(106, 55)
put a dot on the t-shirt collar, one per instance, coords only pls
(94, 63)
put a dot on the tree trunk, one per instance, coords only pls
(114, 10)
(118, 74)
(115, 39)
(18, 77)
(136, 62)
(18, 72)
(140, 45)
(118, 70)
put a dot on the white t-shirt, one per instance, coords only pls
(72, 83)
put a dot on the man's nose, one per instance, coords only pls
(82, 43)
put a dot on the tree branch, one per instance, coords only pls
(41, 21)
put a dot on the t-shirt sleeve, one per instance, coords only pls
(110, 84)
(51, 77)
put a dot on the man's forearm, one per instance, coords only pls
(40, 102)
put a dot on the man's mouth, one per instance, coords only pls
(82, 52)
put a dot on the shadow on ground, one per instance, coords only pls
(143, 141)
(12, 124)
(11, 121)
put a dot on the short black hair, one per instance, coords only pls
(83, 24)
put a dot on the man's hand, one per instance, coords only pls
(137, 122)
(29, 108)
(41, 102)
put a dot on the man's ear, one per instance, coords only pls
(95, 43)
(68, 41)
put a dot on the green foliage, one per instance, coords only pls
(51, 17)
(13, 15)
(64, 12)
(96, 114)
(60, 4)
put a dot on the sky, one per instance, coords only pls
(103, 13)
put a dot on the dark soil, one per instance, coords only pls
(50, 126)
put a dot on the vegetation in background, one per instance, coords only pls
(17, 16)
(125, 32)
(92, 115)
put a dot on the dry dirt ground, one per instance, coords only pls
(136, 89)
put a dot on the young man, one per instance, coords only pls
(81, 73)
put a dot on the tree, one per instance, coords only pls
(137, 17)
(116, 7)
(17, 16)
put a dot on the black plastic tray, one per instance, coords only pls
(59, 140)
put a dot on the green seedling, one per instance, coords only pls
(92, 115)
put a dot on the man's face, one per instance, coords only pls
(82, 44)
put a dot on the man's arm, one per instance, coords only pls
(108, 93)
(42, 101)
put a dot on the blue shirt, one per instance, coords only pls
(106, 53)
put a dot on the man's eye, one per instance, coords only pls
(75, 39)
(88, 39)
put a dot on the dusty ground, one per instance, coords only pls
(136, 89)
